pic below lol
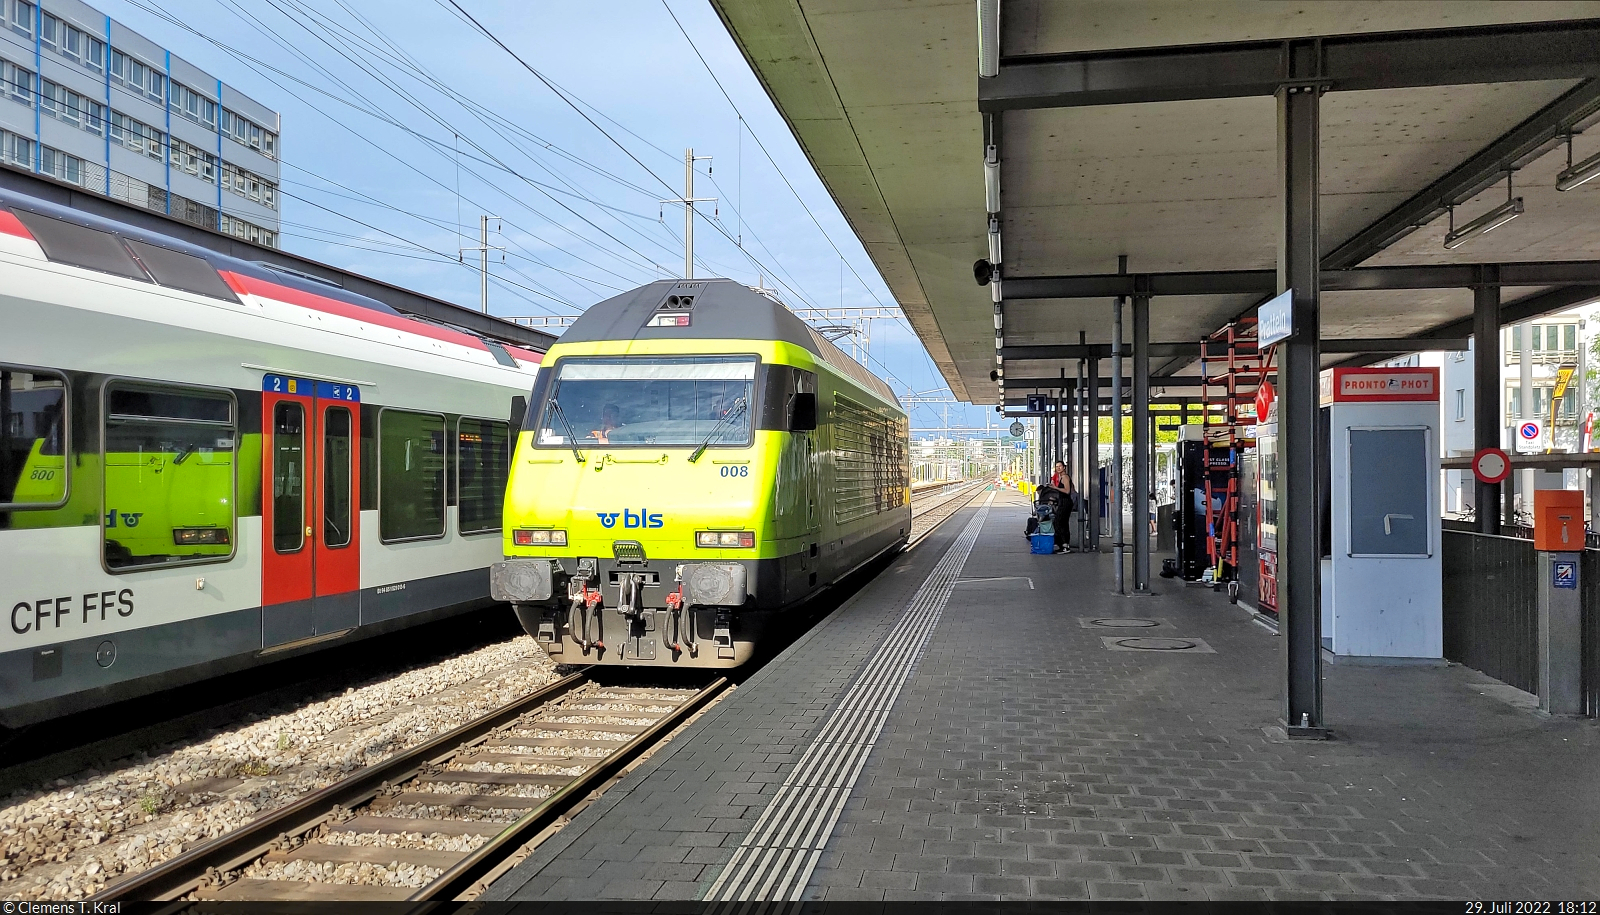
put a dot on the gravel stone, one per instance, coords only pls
(67, 839)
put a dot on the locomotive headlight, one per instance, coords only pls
(735, 539)
(539, 538)
(193, 536)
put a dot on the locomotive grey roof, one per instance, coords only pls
(723, 309)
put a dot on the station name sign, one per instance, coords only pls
(1372, 385)
(1275, 319)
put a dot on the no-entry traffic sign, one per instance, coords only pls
(1491, 465)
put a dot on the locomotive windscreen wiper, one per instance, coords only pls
(734, 412)
(572, 437)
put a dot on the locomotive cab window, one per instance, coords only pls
(650, 401)
(169, 476)
(411, 465)
(33, 430)
(483, 465)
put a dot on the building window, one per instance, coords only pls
(1461, 404)
(243, 131)
(16, 149)
(1514, 401)
(194, 160)
(137, 135)
(63, 104)
(18, 14)
(72, 42)
(250, 232)
(71, 169)
(16, 82)
(193, 105)
(250, 185)
(139, 76)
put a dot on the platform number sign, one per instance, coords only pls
(1564, 574)
(305, 387)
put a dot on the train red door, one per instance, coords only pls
(310, 518)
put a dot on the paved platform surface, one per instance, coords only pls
(1024, 756)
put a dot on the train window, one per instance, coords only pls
(81, 246)
(649, 401)
(182, 271)
(288, 477)
(411, 482)
(169, 476)
(337, 453)
(483, 465)
(33, 431)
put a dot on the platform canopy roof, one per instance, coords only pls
(1147, 128)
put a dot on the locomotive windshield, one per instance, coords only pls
(681, 401)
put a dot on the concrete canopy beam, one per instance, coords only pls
(1393, 60)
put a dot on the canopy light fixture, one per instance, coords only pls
(994, 240)
(1486, 223)
(1573, 175)
(994, 289)
(999, 318)
(983, 271)
(988, 38)
(991, 178)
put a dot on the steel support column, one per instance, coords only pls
(1486, 389)
(1087, 416)
(1141, 444)
(1092, 485)
(1299, 544)
(1114, 484)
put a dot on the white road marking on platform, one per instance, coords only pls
(775, 861)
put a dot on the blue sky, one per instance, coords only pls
(401, 122)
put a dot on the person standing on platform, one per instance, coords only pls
(1065, 497)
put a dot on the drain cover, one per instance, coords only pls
(1124, 623)
(1157, 644)
(1148, 643)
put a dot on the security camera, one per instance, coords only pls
(982, 271)
(994, 376)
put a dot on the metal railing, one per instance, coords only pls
(1491, 612)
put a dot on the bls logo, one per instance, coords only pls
(640, 518)
(129, 519)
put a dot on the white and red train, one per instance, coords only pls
(207, 463)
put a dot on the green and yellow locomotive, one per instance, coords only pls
(695, 461)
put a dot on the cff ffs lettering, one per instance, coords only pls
(32, 616)
(630, 519)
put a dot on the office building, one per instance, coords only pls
(88, 101)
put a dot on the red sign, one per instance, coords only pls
(1264, 398)
(1364, 385)
(1491, 465)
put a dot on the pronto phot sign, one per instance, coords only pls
(1380, 385)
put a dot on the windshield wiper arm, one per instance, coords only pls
(734, 413)
(572, 437)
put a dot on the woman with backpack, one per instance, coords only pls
(1064, 494)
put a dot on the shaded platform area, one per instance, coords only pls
(977, 724)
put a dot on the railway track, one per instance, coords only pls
(434, 821)
(438, 821)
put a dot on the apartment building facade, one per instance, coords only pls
(1549, 343)
(88, 101)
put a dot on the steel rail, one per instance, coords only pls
(461, 876)
(172, 878)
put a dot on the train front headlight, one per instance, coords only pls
(525, 537)
(725, 539)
